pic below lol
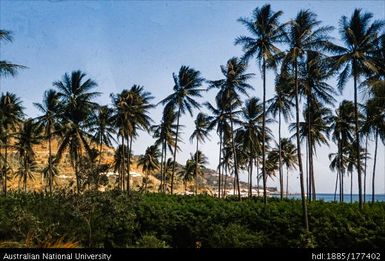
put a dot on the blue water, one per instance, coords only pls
(330, 197)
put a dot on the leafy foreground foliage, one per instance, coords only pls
(114, 219)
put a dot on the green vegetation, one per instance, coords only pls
(116, 219)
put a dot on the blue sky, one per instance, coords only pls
(121, 43)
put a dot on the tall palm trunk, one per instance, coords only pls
(219, 164)
(304, 205)
(351, 187)
(175, 148)
(251, 177)
(165, 182)
(374, 164)
(287, 182)
(365, 170)
(50, 178)
(129, 164)
(5, 167)
(258, 179)
(161, 168)
(123, 165)
(225, 184)
(280, 155)
(196, 168)
(357, 141)
(336, 186)
(77, 173)
(236, 176)
(264, 133)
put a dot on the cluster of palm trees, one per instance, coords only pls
(304, 57)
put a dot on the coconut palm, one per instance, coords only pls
(187, 87)
(76, 95)
(200, 133)
(281, 105)
(186, 174)
(8, 68)
(266, 31)
(102, 127)
(304, 34)
(51, 170)
(375, 124)
(315, 130)
(200, 160)
(230, 88)
(289, 158)
(360, 37)
(250, 134)
(49, 120)
(11, 114)
(165, 133)
(219, 120)
(28, 136)
(341, 128)
(149, 161)
(131, 114)
(120, 154)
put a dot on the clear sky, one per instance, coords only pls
(121, 43)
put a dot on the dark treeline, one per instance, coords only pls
(303, 56)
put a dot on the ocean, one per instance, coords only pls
(330, 197)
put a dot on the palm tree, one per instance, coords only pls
(200, 133)
(200, 160)
(289, 158)
(149, 161)
(11, 114)
(164, 133)
(360, 38)
(132, 114)
(375, 124)
(314, 73)
(186, 88)
(8, 68)
(281, 104)
(316, 131)
(28, 136)
(51, 171)
(230, 88)
(304, 34)
(250, 134)
(341, 129)
(102, 127)
(219, 120)
(187, 173)
(266, 32)
(76, 98)
(120, 154)
(50, 108)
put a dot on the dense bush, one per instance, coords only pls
(114, 219)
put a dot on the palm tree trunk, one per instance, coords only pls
(196, 168)
(123, 165)
(365, 170)
(129, 164)
(357, 142)
(50, 178)
(5, 167)
(342, 186)
(225, 184)
(264, 133)
(351, 187)
(304, 206)
(77, 173)
(280, 155)
(219, 164)
(258, 179)
(161, 168)
(335, 188)
(311, 165)
(164, 169)
(235, 156)
(175, 148)
(374, 165)
(251, 177)
(287, 182)
(307, 179)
